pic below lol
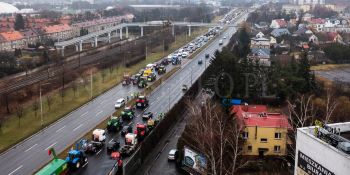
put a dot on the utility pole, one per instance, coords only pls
(41, 108)
(91, 84)
(191, 75)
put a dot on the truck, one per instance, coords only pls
(99, 135)
(88, 146)
(220, 42)
(130, 145)
(114, 124)
(56, 166)
(126, 80)
(141, 102)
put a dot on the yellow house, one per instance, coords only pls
(264, 134)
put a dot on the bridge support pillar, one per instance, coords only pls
(173, 30)
(62, 51)
(76, 47)
(121, 33)
(127, 32)
(189, 30)
(109, 37)
(80, 46)
(141, 30)
(95, 41)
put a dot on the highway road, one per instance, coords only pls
(31, 154)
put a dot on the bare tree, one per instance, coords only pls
(19, 113)
(216, 135)
(74, 87)
(301, 113)
(35, 107)
(49, 101)
(331, 105)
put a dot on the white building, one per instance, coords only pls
(308, 2)
(323, 150)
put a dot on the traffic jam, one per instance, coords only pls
(124, 131)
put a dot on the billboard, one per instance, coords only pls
(195, 161)
(308, 166)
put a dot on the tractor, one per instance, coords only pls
(161, 70)
(126, 80)
(150, 124)
(128, 113)
(142, 82)
(151, 77)
(141, 131)
(141, 102)
(76, 158)
(56, 166)
(135, 79)
(90, 146)
(114, 124)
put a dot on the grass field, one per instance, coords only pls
(327, 67)
(14, 129)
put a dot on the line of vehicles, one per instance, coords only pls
(77, 157)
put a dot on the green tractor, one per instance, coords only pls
(114, 124)
(142, 83)
(128, 113)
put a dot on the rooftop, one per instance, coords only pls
(332, 135)
(257, 115)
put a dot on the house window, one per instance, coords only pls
(245, 135)
(278, 135)
(263, 139)
(277, 149)
(250, 148)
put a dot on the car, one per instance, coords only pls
(224, 37)
(184, 54)
(184, 87)
(220, 42)
(147, 115)
(113, 146)
(126, 129)
(119, 103)
(173, 153)
(200, 61)
(207, 55)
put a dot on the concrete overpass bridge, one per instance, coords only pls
(118, 30)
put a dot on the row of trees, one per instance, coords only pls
(338, 53)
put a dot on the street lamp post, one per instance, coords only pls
(41, 105)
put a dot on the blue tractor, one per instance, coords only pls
(76, 158)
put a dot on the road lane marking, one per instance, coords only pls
(98, 152)
(58, 130)
(84, 114)
(15, 170)
(50, 146)
(104, 101)
(77, 127)
(110, 141)
(99, 113)
(30, 148)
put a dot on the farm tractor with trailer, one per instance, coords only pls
(126, 80)
(141, 131)
(76, 158)
(141, 102)
(130, 145)
(56, 166)
(128, 113)
(114, 124)
(90, 146)
(99, 135)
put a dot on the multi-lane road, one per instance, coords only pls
(31, 154)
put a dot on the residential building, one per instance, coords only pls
(278, 23)
(280, 32)
(323, 149)
(264, 133)
(11, 40)
(30, 36)
(308, 2)
(60, 32)
(259, 41)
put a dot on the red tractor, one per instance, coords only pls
(117, 156)
(141, 131)
(141, 102)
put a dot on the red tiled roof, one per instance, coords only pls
(317, 21)
(11, 36)
(331, 36)
(257, 115)
(57, 28)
